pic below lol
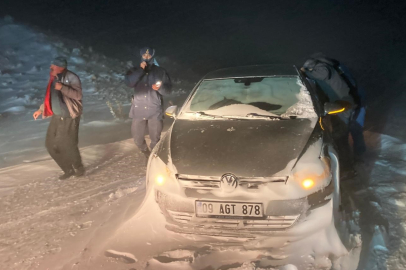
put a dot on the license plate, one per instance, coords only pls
(213, 209)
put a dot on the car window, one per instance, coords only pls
(241, 96)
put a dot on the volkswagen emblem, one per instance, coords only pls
(228, 182)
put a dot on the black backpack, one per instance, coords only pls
(352, 84)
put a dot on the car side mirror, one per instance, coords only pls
(171, 111)
(336, 107)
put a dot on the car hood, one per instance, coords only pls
(246, 148)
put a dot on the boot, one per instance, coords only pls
(80, 171)
(67, 174)
(146, 153)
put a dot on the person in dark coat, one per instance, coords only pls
(357, 118)
(328, 79)
(150, 83)
(63, 102)
(335, 88)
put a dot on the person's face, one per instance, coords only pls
(146, 56)
(55, 69)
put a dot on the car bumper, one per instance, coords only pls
(282, 216)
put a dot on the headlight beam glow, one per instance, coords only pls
(160, 180)
(307, 183)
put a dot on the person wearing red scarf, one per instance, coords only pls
(63, 104)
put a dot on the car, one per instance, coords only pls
(249, 153)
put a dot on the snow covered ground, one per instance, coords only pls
(40, 213)
(101, 221)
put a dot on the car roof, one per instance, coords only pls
(252, 71)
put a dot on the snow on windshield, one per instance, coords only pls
(270, 96)
(304, 107)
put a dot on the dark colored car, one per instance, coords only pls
(250, 152)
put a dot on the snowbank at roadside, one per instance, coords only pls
(386, 165)
(25, 57)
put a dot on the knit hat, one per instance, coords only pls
(149, 50)
(60, 62)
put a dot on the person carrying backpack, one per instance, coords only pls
(357, 119)
(333, 82)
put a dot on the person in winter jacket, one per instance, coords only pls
(328, 79)
(63, 103)
(357, 118)
(150, 83)
(335, 87)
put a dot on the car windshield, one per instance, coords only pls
(259, 96)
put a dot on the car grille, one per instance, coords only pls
(270, 223)
(180, 217)
(212, 182)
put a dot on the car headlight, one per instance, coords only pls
(308, 183)
(314, 175)
(159, 173)
(160, 180)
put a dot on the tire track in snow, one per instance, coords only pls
(39, 216)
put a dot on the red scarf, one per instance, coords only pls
(47, 101)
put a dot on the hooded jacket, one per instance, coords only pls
(147, 102)
(330, 82)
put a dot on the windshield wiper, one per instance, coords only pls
(255, 115)
(282, 117)
(288, 116)
(203, 114)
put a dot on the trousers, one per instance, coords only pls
(62, 142)
(356, 126)
(139, 128)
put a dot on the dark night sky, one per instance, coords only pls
(209, 34)
(199, 36)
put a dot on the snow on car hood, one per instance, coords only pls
(246, 148)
